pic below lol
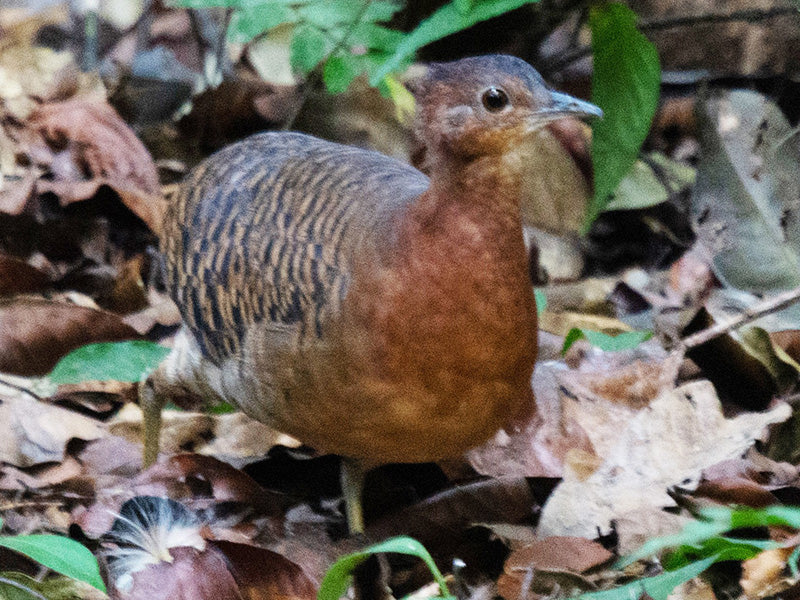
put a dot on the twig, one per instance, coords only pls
(750, 15)
(20, 586)
(14, 386)
(765, 307)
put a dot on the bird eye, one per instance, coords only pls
(495, 99)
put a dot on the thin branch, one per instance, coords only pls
(765, 307)
(19, 388)
(22, 587)
(750, 16)
(753, 15)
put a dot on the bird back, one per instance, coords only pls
(267, 229)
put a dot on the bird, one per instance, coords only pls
(347, 299)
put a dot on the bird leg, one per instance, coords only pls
(352, 479)
(151, 404)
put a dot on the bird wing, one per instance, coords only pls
(266, 230)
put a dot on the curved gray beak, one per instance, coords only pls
(567, 106)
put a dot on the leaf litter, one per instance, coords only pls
(624, 444)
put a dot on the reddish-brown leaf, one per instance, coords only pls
(265, 575)
(35, 334)
(18, 277)
(86, 145)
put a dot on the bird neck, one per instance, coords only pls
(481, 194)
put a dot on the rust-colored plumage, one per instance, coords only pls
(349, 300)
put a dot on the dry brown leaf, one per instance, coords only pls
(736, 490)
(35, 334)
(548, 565)
(29, 75)
(610, 387)
(694, 589)
(85, 144)
(18, 277)
(232, 435)
(559, 184)
(15, 193)
(789, 341)
(265, 575)
(191, 574)
(194, 480)
(219, 571)
(162, 311)
(539, 447)
(34, 432)
(764, 575)
(433, 520)
(237, 436)
(128, 294)
(559, 554)
(668, 443)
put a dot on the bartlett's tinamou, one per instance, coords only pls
(351, 301)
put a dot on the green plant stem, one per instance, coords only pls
(22, 587)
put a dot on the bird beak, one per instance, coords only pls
(565, 105)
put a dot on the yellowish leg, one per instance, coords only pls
(352, 478)
(151, 406)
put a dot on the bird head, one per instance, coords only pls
(487, 105)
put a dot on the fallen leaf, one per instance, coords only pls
(19, 277)
(84, 144)
(560, 554)
(266, 575)
(34, 432)
(744, 201)
(232, 435)
(505, 500)
(539, 447)
(35, 334)
(736, 490)
(545, 567)
(666, 444)
(765, 575)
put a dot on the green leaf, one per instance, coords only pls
(207, 3)
(59, 554)
(658, 587)
(541, 301)
(445, 21)
(376, 37)
(338, 577)
(118, 361)
(723, 547)
(626, 85)
(463, 6)
(640, 188)
(330, 13)
(404, 102)
(381, 10)
(309, 47)
(616, 343)
(609, 343)
(713, 522)
(573, 335)
(252, 20)
(340, 70)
